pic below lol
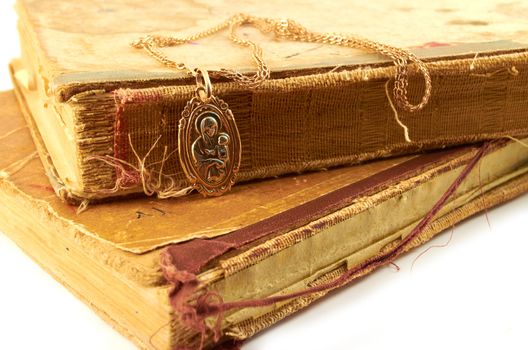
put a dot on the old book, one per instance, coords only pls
(107, 112)
(266, 239)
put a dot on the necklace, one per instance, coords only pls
(208, 139)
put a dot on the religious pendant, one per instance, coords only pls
(208, 141)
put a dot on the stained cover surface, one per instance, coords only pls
(94, 35)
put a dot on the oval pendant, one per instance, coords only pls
(209, 145)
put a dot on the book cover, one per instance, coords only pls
(109, 113)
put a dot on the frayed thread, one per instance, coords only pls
(396, 116)
(152, 181)
(443, 245)
(83, 206)
(520, 142)
(196, 314)
(511, 71)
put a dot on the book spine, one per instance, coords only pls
(302, 123)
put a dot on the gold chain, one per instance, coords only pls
(290, 30)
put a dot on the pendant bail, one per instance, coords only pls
(204, 89)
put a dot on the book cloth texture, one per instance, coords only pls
(324, 106)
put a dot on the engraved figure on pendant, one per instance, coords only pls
(211, 149)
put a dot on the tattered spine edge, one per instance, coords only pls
(486, 65)
(205, 314)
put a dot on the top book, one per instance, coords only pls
(108, 113)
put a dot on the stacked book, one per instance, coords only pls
(333, 180)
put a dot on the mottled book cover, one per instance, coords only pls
(109, 113)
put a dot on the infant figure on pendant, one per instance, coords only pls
(211, 149)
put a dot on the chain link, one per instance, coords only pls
(291, 30)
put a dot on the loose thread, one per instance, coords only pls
(443, 245)
(524, 144)
(482, 193)
(395, 266)
(369, 264)
(153, 182)
(511, 71)
(396, 116)
(127, 178)
(83, 206)
(141, 162)
(195, 315)
(472, 64)
(335, 68)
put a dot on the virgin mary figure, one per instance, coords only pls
(210, 150)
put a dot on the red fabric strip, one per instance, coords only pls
(193, 255)
(211, 304)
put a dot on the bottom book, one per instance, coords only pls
(193, 273)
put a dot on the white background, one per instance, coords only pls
(471, 294)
